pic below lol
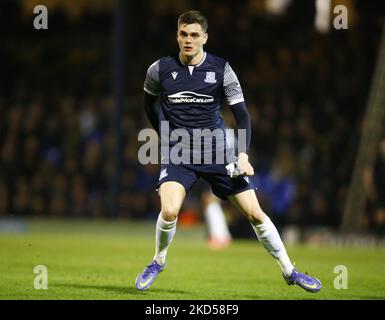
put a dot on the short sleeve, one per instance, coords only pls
(151, 83)
(231, 86)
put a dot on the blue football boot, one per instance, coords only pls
(305, 281)
(147, 277)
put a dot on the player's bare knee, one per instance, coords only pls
(170, 213)
(256, 216)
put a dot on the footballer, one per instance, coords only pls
(190, 86)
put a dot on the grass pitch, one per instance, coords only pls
(100, 260)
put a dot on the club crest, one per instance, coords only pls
(210, 77)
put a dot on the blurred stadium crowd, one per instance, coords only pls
(306, 93)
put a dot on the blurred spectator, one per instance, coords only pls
(276, 186)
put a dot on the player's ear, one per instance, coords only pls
(205, 37)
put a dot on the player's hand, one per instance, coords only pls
(244, 165)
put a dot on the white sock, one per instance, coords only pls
(164, 234)
(267, 233)
(216, 222)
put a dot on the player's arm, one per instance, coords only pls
(151, 107)
(151, 92)
(242, 118)
(234, 97)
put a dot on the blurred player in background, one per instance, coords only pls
(191, 85)
(219, 236)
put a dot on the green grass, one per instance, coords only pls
(100, 260)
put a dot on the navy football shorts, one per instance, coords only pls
(216, 175)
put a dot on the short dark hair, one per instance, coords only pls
(193, 16)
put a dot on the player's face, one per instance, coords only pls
(191, 39)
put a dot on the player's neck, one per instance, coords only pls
(192, 61)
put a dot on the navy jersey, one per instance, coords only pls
(191, 96)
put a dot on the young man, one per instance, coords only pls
(191, 85)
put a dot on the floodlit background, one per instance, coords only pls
(71, 109)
